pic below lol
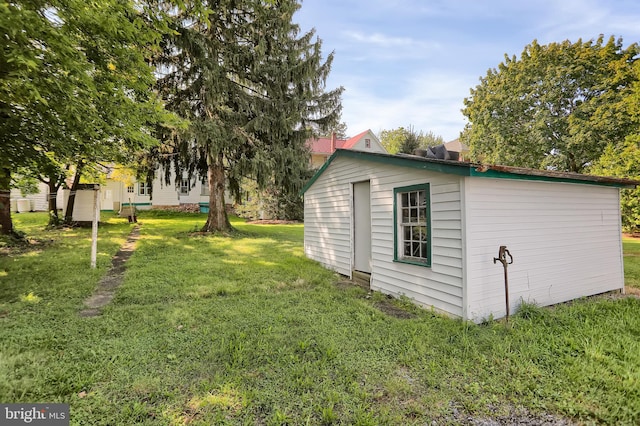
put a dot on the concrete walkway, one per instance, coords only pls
(107, 286)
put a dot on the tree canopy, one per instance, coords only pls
(253, 88)
(75, 86)
(558, 106)
(406, 140)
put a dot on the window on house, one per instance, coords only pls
(204, 191)
(144, 188)
(413, 228)
(367, 143)
(130, 189)
(184, 186)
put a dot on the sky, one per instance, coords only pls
(413, 62)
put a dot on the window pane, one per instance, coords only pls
(413, 199)
(405, 199)
(407, 233)
(407, 249)
(416, 250)
(414, 215)
(423, 247)
(423, 233)
(415, 233)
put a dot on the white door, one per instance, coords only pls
(362, 226)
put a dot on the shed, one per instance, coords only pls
(429, 229)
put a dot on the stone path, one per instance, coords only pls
(107, 286)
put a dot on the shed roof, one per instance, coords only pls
(474, 169)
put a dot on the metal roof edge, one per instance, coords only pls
(473, 169)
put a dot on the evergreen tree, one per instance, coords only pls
(253, 89)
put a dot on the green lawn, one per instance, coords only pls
(243, 329)
(631, 247)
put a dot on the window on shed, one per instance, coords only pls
(412, 213)
(130, 189)
(184, 186)
(367, 143)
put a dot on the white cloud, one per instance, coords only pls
(382, 40)
(429, 102)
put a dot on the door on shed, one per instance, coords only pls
(362, 227)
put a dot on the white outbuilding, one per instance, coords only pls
(430, 229)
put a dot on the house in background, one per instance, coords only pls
(116, 193)
(322, 148)
(430, 229)
(457, 146)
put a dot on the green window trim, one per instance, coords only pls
(402, 201)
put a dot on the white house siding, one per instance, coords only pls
(375, 145)
(564, 239)
(39, 201)
(328, 230)
(327, 216)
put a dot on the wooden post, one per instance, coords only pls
(94, 227)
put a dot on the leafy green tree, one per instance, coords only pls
(74, 86)
(557, 106)
(392, 139)
(623, 159)
(406, 140)
(253, 89)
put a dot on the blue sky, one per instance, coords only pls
(412, 62)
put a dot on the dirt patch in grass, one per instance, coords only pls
(111, 281)
(273, 222)
(14, 246)
(515, 416)
(389, 308)
(631, 292)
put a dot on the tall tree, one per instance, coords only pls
(253, 89)
(623, 159)
(555, 106)
(340, 130)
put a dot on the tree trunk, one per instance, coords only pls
(54, 185)
(68, 214)
(6, 224)
(217, 219)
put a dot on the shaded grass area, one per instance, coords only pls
(631, 248)
(243, 329)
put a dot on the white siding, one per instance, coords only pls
(328, 230)
(564, 239)
(375, 145)
(39, 201)
(327, 218)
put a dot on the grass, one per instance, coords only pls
(243, 329)
(631, 248)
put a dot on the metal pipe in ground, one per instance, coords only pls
(502, 258)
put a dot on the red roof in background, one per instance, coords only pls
(349, 143)
(323, 145)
